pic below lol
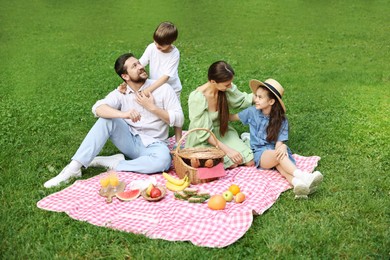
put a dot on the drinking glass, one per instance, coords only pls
(104, 182)
(114, 181)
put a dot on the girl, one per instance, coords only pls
(268, 127)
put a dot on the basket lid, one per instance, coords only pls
(201, 153)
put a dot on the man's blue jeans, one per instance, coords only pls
(154, 158)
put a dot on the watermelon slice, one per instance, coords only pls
(128, 195)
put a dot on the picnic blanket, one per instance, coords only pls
(177, 220)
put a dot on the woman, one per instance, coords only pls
(208, 107)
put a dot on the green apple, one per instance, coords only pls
(228, 195)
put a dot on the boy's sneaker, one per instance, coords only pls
(109, 162)
(245, 136)
(62, 177)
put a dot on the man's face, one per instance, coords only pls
(135, 71)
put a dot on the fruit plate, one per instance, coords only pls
(148, 198)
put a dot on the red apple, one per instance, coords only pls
(155, 192)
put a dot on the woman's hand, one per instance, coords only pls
(233, 117)
(235, 156)
(281, 151)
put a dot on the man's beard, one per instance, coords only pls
(139, 78)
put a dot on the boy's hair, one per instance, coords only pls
(165, 34)
(119, 66)
(220, 71)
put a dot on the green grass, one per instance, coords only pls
(332, 57)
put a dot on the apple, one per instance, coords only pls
(228, 195)
(155, 193)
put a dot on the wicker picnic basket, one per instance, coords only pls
(187, 160)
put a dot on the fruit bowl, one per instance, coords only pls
(148, 198)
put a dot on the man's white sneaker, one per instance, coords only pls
(63, 176)
(245, 136)
(109, 162)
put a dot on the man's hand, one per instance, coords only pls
(146, 92)
(133, 115)
(122, 88)
(146, 101)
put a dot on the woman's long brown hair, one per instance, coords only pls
(221, 71)
(276, 117)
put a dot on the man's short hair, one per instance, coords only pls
(120, 67)
(165, 34)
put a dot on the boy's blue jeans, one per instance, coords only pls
(154, 158)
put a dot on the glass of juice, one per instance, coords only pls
(113, 180)
(104, 182)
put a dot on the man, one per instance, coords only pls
(137, 125)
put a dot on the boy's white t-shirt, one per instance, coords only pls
(161, 63)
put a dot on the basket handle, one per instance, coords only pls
(193, 130)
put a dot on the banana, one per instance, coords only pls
(150, 187)
(173, 187)
(173, 180)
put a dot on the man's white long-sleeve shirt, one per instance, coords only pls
(150, 128)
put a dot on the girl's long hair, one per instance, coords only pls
(220, 71)
(276, 118)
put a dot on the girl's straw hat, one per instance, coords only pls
(270, 84)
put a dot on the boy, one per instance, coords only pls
(163, 59)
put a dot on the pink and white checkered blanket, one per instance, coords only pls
(176, 220)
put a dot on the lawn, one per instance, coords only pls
(332, 57)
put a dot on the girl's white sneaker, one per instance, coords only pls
(312, 180)
(301, 190)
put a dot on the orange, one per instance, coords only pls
(240, 197)
(216, 202)
(234, 189)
